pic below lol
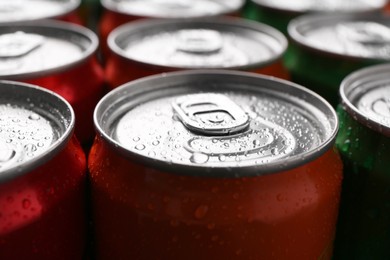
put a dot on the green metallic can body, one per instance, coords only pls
(363, 230)
(319, 57)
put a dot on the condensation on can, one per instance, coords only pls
(42, 176)
(154, 46)
(58, 56)
(203, 145)
(22, 10)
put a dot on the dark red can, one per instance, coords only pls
(20, 11)
(147, 47)
(42, 176)
(120, 12)
(58, 56)
(214, 165)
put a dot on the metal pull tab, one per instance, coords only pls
(18, 44)
(211, 114)
(199, 41)
(365, 32)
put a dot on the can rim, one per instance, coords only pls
(60, 26)
(223, 21)
(107, 102)
(358, 78)
(111, 6)
(307, 20)
(55, 148)
(70, 6)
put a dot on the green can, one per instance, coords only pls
(363, 230)
(327, 48)
(279, 13)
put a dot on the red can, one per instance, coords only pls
(149, 47)
(214, 165)
(42, 176)
(58, 56)
(20, 11)
(117, 13)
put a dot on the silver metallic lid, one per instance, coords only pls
(216, 123)
(28, 10)
(35, 124)
(305, 6)
(173, 8)
(198, 43)
(40, 48)
(366, 96)
(352, 36)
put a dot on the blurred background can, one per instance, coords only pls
(149, 47)
(326, 48)
(58, 56)
(117, 13)
(26, 10)
(42, 176)
(279, 13)
(363, 230)
(214, 165)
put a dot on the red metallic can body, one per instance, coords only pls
(214, 43)
(60, 57)
(116, 14)
(149, 205)
(42, 176)
(22, 11)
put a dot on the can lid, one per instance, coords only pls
(39, 48)
(354, 36)
(173, 8)
(305, 6)
(27, 10)
(34, 125)
(198, 43)
(365, 95)
(216, 123)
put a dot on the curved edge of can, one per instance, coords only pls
(222, 21)
(141, 85)
(304, 22)
(60, 26)
(364, 76)
(57, 146)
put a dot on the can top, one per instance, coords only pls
(365, 94)
(173, 8)
(40, 48)
(216, 123)
(305, 6)
(352, 36)
(35, 124)
(198, 43)
(27, 10)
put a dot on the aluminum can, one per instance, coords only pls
(279, 13)
(149, 47)
(364, 144)
(214, 165)
(117, 13)
(42, 176)
(58, 56)
(325, 49)
(27, 10)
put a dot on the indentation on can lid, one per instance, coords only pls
(200, 41)
(19, 43)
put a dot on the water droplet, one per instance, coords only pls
(140, 147)
(40, 144)
(275, 151)
(26, 203)
(29, 148)
(201, 211)
(156, 142)
(9, 141)
(136, 139)
(34, 117)
(222, 158)
(199, 158)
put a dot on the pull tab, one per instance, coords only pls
(18, 44)
(211, 114)
(365, 32)
(382, 107)
(8, 155)
(199, 41)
